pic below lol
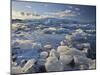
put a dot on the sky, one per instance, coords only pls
(39, 10)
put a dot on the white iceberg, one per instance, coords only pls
(53, 64)
(43, 54)
(65, 59)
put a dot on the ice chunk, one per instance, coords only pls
(53, 64)
(24, 44)
(41, 61)
(66, 59)
(62, 49)
(16, 70)
(43, 54)
(53, 52)
(28, 65)
(74, 51)
(36, 46)
(82, 60)
(47, 47)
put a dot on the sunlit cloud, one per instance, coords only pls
(35, 15)
(27, 15)
(63, 13)
(24, 15)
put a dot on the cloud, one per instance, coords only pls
(35, 15)
(15, 14)
(27, 15)
(63, 13)
(24, 15)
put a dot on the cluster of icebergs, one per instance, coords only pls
(64, 57)
(55, 30)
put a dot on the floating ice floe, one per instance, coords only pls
(13, 63)
(82, 67)
(68, 40)
(52, 28)
(81, 60)
(41, 62)
(65, 59)
(79, 34)
(54, 53)
(62, 49)
(14, 26)
(23, 34)
(19, 27)
(43, 54)
(64, 42)
(61, 31)
(53, 64)
(83, 63)
(16, 70)
(49, 30)
(92, 65)
(68, 37)
(47, 47)
(23, 62)
(91, 31)
(24, 44)
(28, 65)
(84, 47)
(36, 46)
(74, 51)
